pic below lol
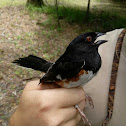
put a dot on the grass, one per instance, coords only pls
(4, 3)
(102, 17)
(99, 20)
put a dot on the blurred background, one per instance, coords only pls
(45, 28)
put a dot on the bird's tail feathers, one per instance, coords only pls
(34, 62)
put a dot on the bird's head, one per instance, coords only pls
(87, 41)
(90, 37)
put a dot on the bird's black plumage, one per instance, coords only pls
(34, 62)
(81, 54)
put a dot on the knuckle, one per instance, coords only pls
(43, 100)
(43, 107)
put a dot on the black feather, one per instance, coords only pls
(34, 62)
(64, 69)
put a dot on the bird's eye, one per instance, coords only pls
(89, 38)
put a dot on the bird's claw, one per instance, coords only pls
(90, 101)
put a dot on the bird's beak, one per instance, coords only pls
(99, 34)
(99, 42)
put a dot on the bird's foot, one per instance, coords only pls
(83, 116)
(90, 101)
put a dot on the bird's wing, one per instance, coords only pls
(62, 70)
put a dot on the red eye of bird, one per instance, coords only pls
(89, 38)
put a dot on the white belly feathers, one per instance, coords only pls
(82, 78)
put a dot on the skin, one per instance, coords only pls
(41, 106)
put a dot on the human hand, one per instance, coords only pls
(49, 107)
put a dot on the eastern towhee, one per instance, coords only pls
(78, 65)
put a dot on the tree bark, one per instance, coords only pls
(35, 2)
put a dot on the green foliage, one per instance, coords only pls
(72, 14)
(100, 20)
(107, 20)
(11, 2)
(44, 9)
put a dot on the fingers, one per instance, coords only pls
(62, 97)
(68, 113)
(63, 116)
(74, 119)
(72, 122)
(71, 113)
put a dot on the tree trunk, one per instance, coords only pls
(56, 5)
(35, 2)
(88, 11)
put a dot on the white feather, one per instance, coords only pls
(58, 77)
(82, 80)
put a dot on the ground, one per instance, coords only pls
(21, 35)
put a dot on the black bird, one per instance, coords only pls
(78, 65)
